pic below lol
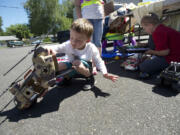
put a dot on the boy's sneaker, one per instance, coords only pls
(144, 75)
(90, 81)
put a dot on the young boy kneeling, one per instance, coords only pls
(80, 52)
(167, 46)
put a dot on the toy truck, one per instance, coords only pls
(171, 76)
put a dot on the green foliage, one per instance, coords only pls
(46, 15)
(20, 30)
(0, 22)
(67, 8)
(43, 15)
(1, 30)
(65, 23)
(27, 42)
(66, 15)
(47, 39)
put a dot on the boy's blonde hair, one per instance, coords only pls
(150, 18)
(82, 25)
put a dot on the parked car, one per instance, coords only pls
(36, 42)
(15, 43)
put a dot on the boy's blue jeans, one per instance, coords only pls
(98, 31)
(154, 65)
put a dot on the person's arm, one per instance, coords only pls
(158, 53)
(59, 48)
(50, 50)
(77, 4)
(101, 66)
(110, 77)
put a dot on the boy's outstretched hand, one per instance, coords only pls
(111, 77)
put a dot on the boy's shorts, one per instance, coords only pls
(74, 72)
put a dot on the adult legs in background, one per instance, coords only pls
(97, 36)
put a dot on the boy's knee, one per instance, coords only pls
(141, 68)
(76, 63)
(62, 66)
(144, 67)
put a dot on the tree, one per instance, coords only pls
(20, 30)
(1, 30)
(43, 15)
(67, 8)
(66, 14)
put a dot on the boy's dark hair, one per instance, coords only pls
(150, 18)
(82, 25)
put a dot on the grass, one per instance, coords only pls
(1, 47)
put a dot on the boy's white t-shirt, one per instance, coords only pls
(93, 11)
(89, 53)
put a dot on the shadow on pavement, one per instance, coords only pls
(98, 93)
(113, 67)
(166, 92)
(50, 103)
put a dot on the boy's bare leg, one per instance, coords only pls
(62, 66)
(79, 67)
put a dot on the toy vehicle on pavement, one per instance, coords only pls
(37, 80)
(171, 76)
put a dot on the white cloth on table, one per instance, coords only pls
(155, 7)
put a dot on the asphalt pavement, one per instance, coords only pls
(127, 107)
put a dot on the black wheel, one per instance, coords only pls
(176, 87)
(162, 81)
(165, 82)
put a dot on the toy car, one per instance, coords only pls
(171, 76)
